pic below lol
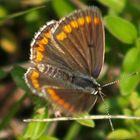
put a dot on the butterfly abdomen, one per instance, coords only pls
(56, 73)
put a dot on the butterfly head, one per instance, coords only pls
(97, 90)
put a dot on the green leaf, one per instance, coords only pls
(62, 7)
(128, 85)
(32, 16)
(72, 132)
(121, 29)
(44, 137)
(2, 74)
(137, 112)
(131, 64)
(127, 111)
(116, 5)
(36, 129)
(131, 61)
(88, 123)
(18, 76)
(138, 43)
(122, 101)
(109, 105)
(47, 138)
(134, 100)
(102, 107)
(120, 134)
(3, 12)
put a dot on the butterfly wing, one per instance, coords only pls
(48, 64)
(81, 37)
(71, 100)
(75, 44)
(60, 92)
(51, 76)
(43, 50)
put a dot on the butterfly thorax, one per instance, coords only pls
(87, 83)
(84, 82)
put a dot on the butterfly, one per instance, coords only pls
(67, 57)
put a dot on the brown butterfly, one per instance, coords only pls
(67, 58)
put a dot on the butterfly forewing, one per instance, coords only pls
(41, 43)
(81, 37)
(43, 49)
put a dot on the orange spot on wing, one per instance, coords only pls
(55, 97)
(52, 94)
(39, 56)
(88, 19)
(41, 44)
(48, 34)
(74, 24)
(81, 21)
(40, 48)
(67, 28)
(67, 106)
(61, 36)
(44, 41)
(34, 79)
(61, 102)
(96, 20)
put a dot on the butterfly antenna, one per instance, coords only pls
(109, 84)
(117, 81)
(107, 110)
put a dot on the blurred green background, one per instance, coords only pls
(19, 20)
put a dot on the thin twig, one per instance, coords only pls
(97, 117)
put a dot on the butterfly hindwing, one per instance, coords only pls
(50, 76)
(59, 90)
(71, 100)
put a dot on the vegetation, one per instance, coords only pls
(19, 20)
